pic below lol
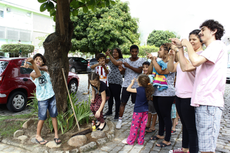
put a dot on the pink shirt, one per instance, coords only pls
(210, 77)
(184, 82)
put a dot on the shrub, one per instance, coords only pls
(16, 48)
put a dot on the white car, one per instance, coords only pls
(228, 73)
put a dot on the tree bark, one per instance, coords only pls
(57, 46)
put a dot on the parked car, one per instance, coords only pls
(228, 73)
(77, 64)
(90, 63)
(16, 86)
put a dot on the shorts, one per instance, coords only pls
(152, 109)
(125, 96)
(49, 104)
(208, 126)
(173, 112)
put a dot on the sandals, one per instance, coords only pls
(40, 142)
(162, 144)
(56, 141)
(154, 138)
(102, 128)
(150, 131)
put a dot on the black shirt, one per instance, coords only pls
(103, 87)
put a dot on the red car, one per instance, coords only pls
(16, 86)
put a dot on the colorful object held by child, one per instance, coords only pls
(159, 80)
(93, 126)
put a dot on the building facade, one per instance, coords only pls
(23, 23)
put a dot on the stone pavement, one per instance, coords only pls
(4, 148)
(223, 143)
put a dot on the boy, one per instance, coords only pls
(44, 94)
(209, 84)
(101, 68)
(132, 69)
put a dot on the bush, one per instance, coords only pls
(16, 48)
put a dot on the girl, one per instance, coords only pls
(163, 100)
(100, 94)
(44, 94)
(184, 87)
(115, 80)
(140, 114)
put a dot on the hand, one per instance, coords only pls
(132, 81)
(149, 55)
(176, 41)
(26, 65)
(103, 63)
(97, 114)
(154, 58)
(107, 53)
(120, 68)
(184, 42)
(171, 53)
(119, 62)
(92, 101)
(126, 64)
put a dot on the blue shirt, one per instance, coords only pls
(44, 89)
(141, 103)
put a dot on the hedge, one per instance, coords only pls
(15, 48)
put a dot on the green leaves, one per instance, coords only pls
(43, 7)
(42, 1)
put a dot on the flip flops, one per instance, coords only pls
(40, 142)
(162, 144)
(154, 138)
(56, 140)
(149, 130)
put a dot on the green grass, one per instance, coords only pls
(7, 128)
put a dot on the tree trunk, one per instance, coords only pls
(57, 46)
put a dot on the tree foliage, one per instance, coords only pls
(15, 48)
(105, 28)
(159, 37)
(148, 49)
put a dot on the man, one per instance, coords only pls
(132, 68)
(209, 84)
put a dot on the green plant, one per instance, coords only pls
(15, 48)
(66, 120)
(34, 104)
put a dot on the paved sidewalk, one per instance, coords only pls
(223, 143)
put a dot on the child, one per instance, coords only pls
(101, 68)
(152, 115)
(100, 94)
(44, 94)
(140, 114)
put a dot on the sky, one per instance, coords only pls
(180, 16)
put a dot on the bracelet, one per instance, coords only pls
(179, 47)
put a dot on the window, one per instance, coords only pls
(3, 65)
(25, 70)
(1, 13)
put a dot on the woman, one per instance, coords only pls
(163, 99)
(115, 80)
(184, 86)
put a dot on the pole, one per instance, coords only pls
(70, 99)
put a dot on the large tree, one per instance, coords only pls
(159, 37)
(107, 27)
(58, 44)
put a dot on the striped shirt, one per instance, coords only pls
(103, 76)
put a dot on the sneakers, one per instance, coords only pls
(118, 126)
(124, 141)
(108, 113)
(173, 132)
(116, 117)
(179, 150)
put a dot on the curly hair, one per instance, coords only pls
(214, 25)
(42, 57)
(144, 81)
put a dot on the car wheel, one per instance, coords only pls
(17, 101)
(73, 86)
(73, 70)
